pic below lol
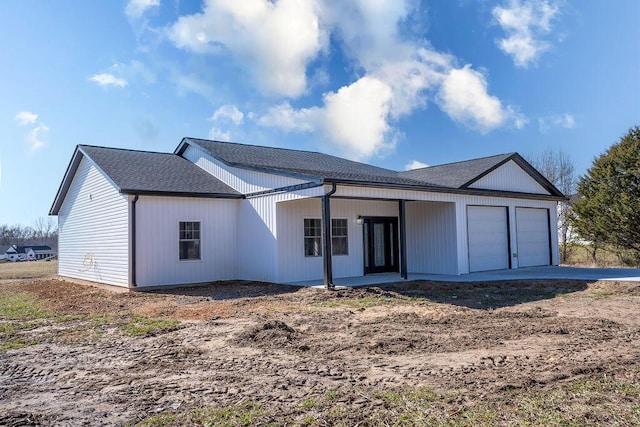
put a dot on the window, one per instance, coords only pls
(189, 240)
(312, 237)
(339, 237)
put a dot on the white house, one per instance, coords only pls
(27, 253)
(216, 211)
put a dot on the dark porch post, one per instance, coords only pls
(402, 224)
(326, 241)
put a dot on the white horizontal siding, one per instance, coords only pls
(294, 266)
(157, 240)
(93, 229)
(509, 177)
(431, 238)
(242, 180)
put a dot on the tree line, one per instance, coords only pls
(603, 206)
(43, 232)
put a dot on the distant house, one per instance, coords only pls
(219, 211)
(28, 253)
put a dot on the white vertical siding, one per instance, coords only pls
(157, 237)
(462, 201)
(242, 180)
(258, 229)
(294, 266)
(431, 238)
(509, 177)
(257, 256)
(94, 234)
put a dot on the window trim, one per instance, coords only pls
(199, 240)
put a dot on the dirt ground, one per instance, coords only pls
(407, 353)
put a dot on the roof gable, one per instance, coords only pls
(508, 172)
(509, 177)
(456, 175)
(145, 172)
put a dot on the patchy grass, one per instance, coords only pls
(590, 401)
(22, 306)
(19, 312)
(146, 326)
(359, 302)
(246, 414)
(16, 344)
(28, 270)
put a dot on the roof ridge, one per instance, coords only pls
(124, 149)
(291, 150)
(463, 161)
(262, 146)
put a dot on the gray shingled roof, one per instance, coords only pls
(456, 175)
(310, 164)
(149, 172)
(329, 168)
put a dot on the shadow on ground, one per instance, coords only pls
(227, 290)
(484, 295)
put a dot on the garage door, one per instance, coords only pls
(488, 238)
(532, 228)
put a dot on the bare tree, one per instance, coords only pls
(558, 168)
(45, 229)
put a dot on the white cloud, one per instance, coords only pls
(395, 72)
(228, 113)
(464, 97)
(133, 70)
(415, 164)
(277, 40)
(565, 121)
(354, 119)
(219, 135)
(525, 23)
(25, 118)
(34, 138)
(136, 8)
(106, 79)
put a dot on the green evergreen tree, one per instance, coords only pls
(608, 210)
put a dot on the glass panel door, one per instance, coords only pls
(380, 240)
(379, 246)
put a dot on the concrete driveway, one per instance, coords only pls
(548, 272)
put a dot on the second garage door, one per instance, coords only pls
(532, 228)
(488, 238)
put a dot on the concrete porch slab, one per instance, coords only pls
(529, 273)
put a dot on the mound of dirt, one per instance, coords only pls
(273, 333)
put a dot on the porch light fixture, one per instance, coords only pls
(359, 220)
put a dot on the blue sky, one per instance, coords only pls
(393, 83)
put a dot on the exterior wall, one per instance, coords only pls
(461, 202)
(157, 240)
(242, 180)
(509, 177)
(431, 238)
(93, 229)
(294, 266)
(258, 233)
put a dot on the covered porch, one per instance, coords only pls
(372, 240)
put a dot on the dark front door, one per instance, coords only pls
(380, 244)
